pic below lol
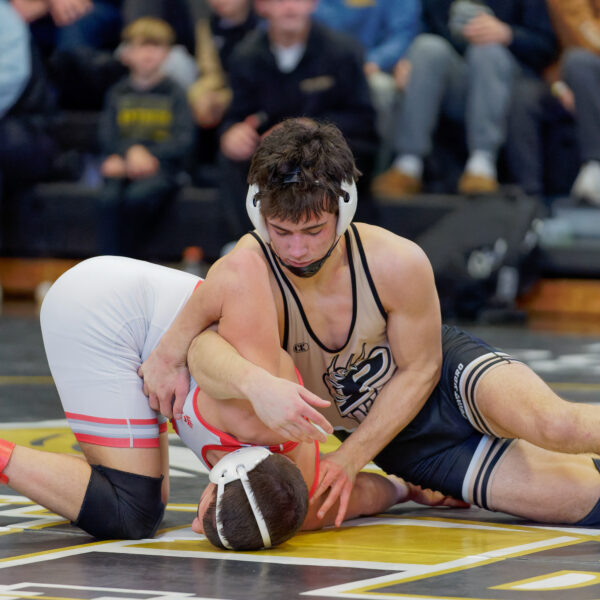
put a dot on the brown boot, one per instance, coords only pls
(394, 183)
(470, 184)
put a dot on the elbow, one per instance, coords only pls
(194, 358)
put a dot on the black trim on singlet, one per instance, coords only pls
(286, 318)
(363, 260)
(471, 383)
(493, 455)
(301, 309)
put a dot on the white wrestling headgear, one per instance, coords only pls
(232, 467)
(346, 208)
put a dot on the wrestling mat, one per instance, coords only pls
(409, 552)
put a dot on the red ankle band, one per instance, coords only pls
(6, 449)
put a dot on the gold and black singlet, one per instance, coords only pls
(350, 376)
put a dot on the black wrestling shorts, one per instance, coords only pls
(448, 446)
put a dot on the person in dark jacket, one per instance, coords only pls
(146, 131)
(466, 66)
(27, 106)
(294, 67)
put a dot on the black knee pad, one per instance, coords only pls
(121, 505)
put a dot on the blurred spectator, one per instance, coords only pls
(177, 13)
(216, 36)
(577, 23)
(294, 68)
(385, 28)
(179, 65)
(84, 68)
(27, 150)
(73, 24)
(145, 132)
(466, 66)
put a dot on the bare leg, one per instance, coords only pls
(59, 481)
(545, 486)
(516, 403)
(56, 481)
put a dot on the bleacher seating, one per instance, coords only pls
(58, 220)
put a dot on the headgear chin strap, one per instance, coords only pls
(346, 208)
(232, 467)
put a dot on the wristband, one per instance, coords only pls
(6, 450)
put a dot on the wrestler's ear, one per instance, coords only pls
(208, 496)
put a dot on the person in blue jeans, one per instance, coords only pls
(386, 29)
(465, 66)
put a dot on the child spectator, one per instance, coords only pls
(146, 131)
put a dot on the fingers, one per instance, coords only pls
(332, 498)
(301, 432)
(178, 407)
(154, 402)
(312, 398)
(319, 434)
(315, 417)
(181, 391)
(165, 406)
(320, 422)
(455, 503)
(344, 501)
(327, 478)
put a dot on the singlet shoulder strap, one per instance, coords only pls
(271, 262)
(367, 272)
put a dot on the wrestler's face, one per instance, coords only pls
(300, 244)
(207, 497)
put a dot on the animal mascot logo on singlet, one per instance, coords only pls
(354, 385)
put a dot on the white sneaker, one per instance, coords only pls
(587, 183)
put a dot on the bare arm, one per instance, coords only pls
(414, 333)
(241, 361)
(282, 405)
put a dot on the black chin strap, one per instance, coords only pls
(311, 269)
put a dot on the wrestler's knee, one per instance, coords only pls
(557, 428)
(121, 505)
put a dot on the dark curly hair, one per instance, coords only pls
(299, 167)
(282, 496)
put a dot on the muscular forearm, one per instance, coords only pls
(220, 370)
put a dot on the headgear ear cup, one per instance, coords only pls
(253, 210)
(236, 466)
(347, 203)
(346, 207)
